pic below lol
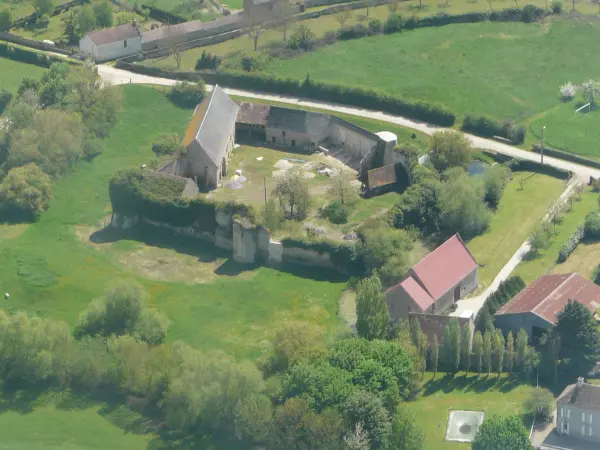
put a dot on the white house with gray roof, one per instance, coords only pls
(578, 412)
(208, 140)
(112, 43)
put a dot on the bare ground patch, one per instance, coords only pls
(160, 263)
(12, 231)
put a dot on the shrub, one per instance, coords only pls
(393, 24)
(567, 91)
(337, 212)
(557, 7)
(25, 192)
(495, 180)
(5, 98)
(484, 126)
(572, 243)
(6, 19)
(538, 240)
(505, 292)
(540, 401)
(187, 94)
(167, 144)
(592, 225)
(375, 26)
(302, 38)
(208, 61)
(353, 32)
(531, 13)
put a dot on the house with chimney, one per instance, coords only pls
(435, 283)
(578, 412)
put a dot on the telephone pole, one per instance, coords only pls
(542, 152)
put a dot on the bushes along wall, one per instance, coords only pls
(571, 244)
(505, 292)
(486, 127)
(343, 254)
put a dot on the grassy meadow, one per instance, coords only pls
(14, 71)
(519, 213)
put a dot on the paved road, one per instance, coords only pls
(114, 76)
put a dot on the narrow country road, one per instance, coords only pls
(112, 76)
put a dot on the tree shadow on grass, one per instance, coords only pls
(470, 383)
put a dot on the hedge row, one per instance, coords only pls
(571, 244)
(344, 255)
(26, 56)
(505, 292)
(566, 156)
(360, 97)
(524, 165)
(136, 192)
(486, 127)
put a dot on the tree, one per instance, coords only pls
(86, 20)
(357, 438)
(365, 408)
(302, 38)
(70, 31)
(462, 208)
(434, 355)
(5, 99)
(341, 188)
(510, 353)
(449, 149)
(478, 350)
(292, 191)
(539, 402)
(451, 349)
(465, 350)
(284, 16)
(487, 351)
(372, 315)
(26, 191)
(186, 94)
(538, 240)
(551, 341)
(495, 180)
(6, 19)
(579, 340)
(502, 433)
(28, 84)
(522, 344)
(296, 341)
(254, 33)
(103, 14)
(498, 349)
(343, 16)
(406, 432)
(419, 340)
(43, 6)
(123, 310)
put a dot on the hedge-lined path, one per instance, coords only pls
(111, 76)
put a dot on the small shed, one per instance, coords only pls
(112, 43)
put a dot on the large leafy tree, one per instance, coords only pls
(25, 190)
(368, 409)
(293, 193)
(372, 315)
(502, 433)
(103, 14)
(579, 340)
(450, 149)
(406, 432)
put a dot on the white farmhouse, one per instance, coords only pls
(112, 43)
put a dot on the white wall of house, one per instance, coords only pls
(110, 51)
(577, 422)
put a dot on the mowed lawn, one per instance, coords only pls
(519, 213)
(50, 271)
(498, 69)
(12, 72)
(535, 266)
(447, 392)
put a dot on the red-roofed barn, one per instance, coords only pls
(536, 307)
(436, 282)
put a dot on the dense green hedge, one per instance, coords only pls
(524, 165)
(26, 56)
(143, 193)
(343, 254)
(505, 292)
(571, 244)
(555, 153)
(486, 127)
(364, 98)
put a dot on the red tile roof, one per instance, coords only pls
(549, 294)
(417, 293)
(445, 267)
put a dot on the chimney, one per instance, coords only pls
(579, 382)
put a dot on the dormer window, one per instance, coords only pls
(124, 43)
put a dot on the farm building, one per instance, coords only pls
(112, 43)
(536, 307)
(209, 139)
(251, 122)
(436, 282)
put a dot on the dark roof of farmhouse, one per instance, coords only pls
(549, 294)
(212, 124)
(587, 396)
(298, 120)
(114, 34)
(189, 27)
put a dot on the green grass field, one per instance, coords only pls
(14, 71)
(52, 269)
(519, 212)
(446, 392)
(545, 262)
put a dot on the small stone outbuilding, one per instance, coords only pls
(112, 43)
(436, 282)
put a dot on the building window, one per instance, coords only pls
(273, 139)
(293, 143)
(283, 134)
(124, 43)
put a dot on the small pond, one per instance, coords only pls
(477, 168)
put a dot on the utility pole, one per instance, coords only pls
(543, 129)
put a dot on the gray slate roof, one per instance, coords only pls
(217, 125)
(586, 397)
(298, 121)
(114, 34)
(184, 28)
